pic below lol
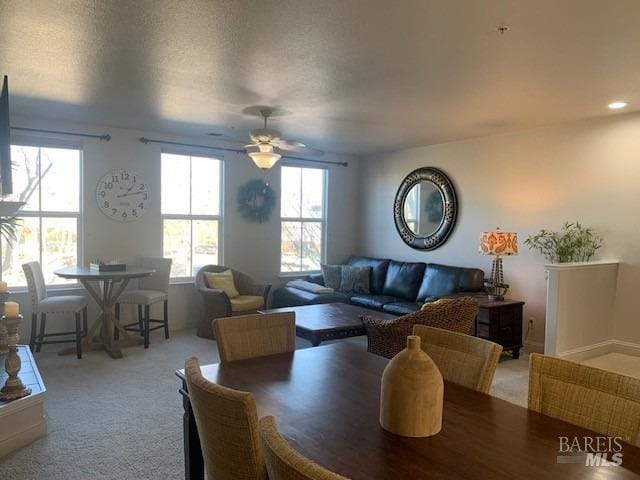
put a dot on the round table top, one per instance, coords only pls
(86, 273)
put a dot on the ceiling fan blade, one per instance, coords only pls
(297, 147)
(288, 144)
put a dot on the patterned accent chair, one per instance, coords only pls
(605, 402)
(43, 305)
(462, 359)
(388, 337)
(286, 463)
(253, 295)
(227, 422)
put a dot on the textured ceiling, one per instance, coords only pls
(357, 76)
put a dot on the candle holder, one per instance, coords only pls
(13, 387)
(4, 347)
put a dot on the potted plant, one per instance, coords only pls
(573, 243)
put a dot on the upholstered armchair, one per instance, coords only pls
(216, 303)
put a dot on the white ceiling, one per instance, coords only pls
(358, 76)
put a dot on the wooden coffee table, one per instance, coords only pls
(329, 321)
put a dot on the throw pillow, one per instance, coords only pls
(355, 279)
(426, 305)
(222, 281)
(332, 275)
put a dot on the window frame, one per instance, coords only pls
(41, 214)
(322, 220)
(181, 216)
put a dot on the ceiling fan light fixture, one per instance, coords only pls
(265, 160)
(265, 147)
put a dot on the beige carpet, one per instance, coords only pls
(122, 419)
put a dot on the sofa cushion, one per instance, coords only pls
(375, 302)
(403, 279)
(246, 303)
(378, 271)
(293, 297)
(355, 279)
(332, 275)
(471, 280)
(438, 280)
(401, 308)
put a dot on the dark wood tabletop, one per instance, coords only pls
(329, 321)
(326, 402)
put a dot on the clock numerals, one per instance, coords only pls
(121, 197)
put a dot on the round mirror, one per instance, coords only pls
(425, 208)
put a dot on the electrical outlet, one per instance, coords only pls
(531, 323)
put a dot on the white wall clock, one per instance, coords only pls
(123, 195)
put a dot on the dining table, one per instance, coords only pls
(105, 288)
(326, 403)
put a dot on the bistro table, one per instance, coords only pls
(326, 401)
(108, 287)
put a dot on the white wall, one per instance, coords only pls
(587, 171)
(249, 247)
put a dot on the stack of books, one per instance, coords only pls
(110, 266)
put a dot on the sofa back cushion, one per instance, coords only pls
(442, 280)
(378, 271)
(403, 279)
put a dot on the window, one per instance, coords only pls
(191, 189)
(48, 180)
(302, 215)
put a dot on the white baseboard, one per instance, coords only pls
(534, 347)
(598, 349)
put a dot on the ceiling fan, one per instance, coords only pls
(266, 144)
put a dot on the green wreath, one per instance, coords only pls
(256, 200)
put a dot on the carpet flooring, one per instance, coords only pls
(122, 419)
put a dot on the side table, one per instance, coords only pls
(501, 322)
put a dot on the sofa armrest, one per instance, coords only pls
(317, 278)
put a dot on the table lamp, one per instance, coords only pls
(498, 244)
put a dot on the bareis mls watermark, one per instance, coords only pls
(591, 451)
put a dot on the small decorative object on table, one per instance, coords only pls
(110, 266)
(412, 393)
(4, 296)
(498, 244)
(13, 387)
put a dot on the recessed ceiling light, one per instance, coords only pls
(617, 105)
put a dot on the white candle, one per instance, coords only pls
(3, 287)
(11, 309)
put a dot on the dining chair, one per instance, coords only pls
(227, 423)
(250, 336)
(462, 359)
(600, 400)
(42, 305)
(284, 462)
(152, 289)
(388, 337)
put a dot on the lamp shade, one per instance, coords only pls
(498, 243)
(265, 160)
